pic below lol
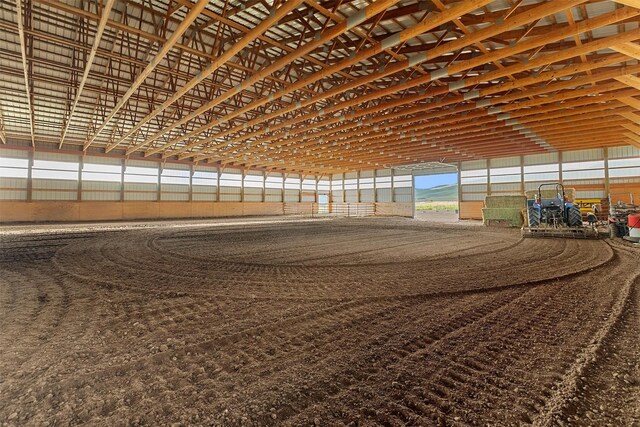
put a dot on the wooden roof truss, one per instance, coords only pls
(320, 86)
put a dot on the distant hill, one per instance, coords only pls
(441, 193)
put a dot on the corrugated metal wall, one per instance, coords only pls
(14, 170)
(204, 184)
(382, 185)
(584, 170)
(61, 176)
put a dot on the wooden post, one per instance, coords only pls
(264, 186)
(413, 194)
(123, 165)
(393, 186)
(218, 184)
(375, 187)
(522, 186)
(459, 188)
(283, 192)
(560, 177)
(607, 188)
(191, 171)
(159, 194)
(30, 176)
(80, 167)
(344, 191)
(242, 174)
(488, 177)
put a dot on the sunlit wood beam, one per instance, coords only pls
(630, 80)
(106, 11)
(164, 50)
(23, 50)
(632, 3)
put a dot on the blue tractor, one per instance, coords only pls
(555, 216)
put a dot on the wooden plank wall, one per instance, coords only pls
(72, 211)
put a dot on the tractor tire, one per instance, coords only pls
(533, 217)
(575, 216)
(613, 231)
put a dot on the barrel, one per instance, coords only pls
(634, 225)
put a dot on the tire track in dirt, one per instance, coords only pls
(568, 388)
(479, 334)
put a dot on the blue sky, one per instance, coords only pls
(428, 181)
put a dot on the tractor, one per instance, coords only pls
(555, 216)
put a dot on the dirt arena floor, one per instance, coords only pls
(326, 322)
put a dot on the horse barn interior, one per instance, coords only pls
(210, 212)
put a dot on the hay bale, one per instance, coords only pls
(514, 202)
(502, 216)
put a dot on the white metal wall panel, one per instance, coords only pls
(308, 197)
(473, 165)
(18, 154)
(291, 195)
(142, 163)
(204, 197)
(252, 194)
(403, 194)
(54, 195)
(383, 172)
(474, 188)
(472, 197)
(505, 162)
(174, 192)
(177, 166)
(624, 180)
(528, 186)
(351, 196)
(272, 195)
(337, 196)
(98, 190)
(230, 194)
(204, 192)
(621, 152)
(367, 174)
(367, 195)
(309, 184)
(99, 160)
(582, 155)
(140, 191)
(541, 159)
(384, 195)
(513, 188)
(13, 189)
(56, 157)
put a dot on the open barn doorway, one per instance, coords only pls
(436, 197)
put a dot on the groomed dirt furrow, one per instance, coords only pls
(358, 321)
(608, 391)
(220, 277)
(526, 328)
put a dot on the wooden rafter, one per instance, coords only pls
(106, 10)
(184, 25)
(25, 68)
(322, 86)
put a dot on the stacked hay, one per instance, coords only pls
(504, 211)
